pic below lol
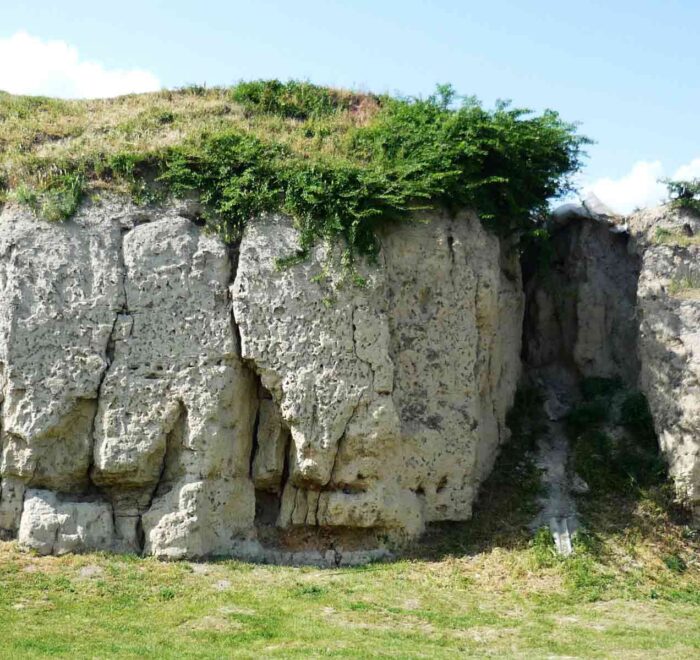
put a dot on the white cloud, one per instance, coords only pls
(689, 171)
(29, 65)
(640, 187)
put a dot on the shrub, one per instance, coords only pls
(294, 99)
(684, 194)
(339, 162)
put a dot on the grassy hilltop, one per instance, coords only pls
(337, 161)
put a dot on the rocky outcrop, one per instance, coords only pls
(620, 298)
(669, 338)
(394, 392)
(582, 299)
(52, 524)
(161, 393)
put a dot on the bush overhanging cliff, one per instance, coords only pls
(338, 162)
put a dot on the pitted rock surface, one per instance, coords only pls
(395, 392)
(669, 339)
(352, 411)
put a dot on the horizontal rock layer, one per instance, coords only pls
(161, 393)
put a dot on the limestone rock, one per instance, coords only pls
(350, 413)
(582, 304)
(669, 339)
(53, 525)
(60, 289)
(395, 392)
(272, 439)
(176, 406)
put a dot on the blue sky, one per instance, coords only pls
(628, 71)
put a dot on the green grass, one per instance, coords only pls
(339, 162)
(483, 588)
(687, 287)
(676, 237)
(634, 592)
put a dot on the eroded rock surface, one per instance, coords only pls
(394, 392)
(351, 412)
(669, 338)
(60, 291)
(582, 301)
(620, 298)
(54, 525)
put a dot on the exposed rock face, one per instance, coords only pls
(133, 420)
(395, 392)
(53, 525)
(622, 299)
(582, 306)
(669, 338)
(60, 291)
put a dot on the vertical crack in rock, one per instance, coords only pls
(255, 445)
(234, 253)
(171, 464)
(121, 310)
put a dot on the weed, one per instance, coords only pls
(675, 563)
(682, 286)
(664, 236)
(543, 548)
(294, 99)
(310, 590)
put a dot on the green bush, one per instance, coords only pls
(684, 194)
(630, 462)
(594, 461)
(339, 162)
(294, 99)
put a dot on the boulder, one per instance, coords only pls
(53, 524)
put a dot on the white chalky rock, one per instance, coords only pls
(395, 392)
(668, 299)
(60, 289)
(176, 407)
(378, 405)
(53, 525)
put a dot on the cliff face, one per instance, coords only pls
(621, 299)
(163, 393)
(669, 339)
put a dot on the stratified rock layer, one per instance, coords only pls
(351, 412)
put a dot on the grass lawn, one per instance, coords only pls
(483, 588)
(496, 603)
